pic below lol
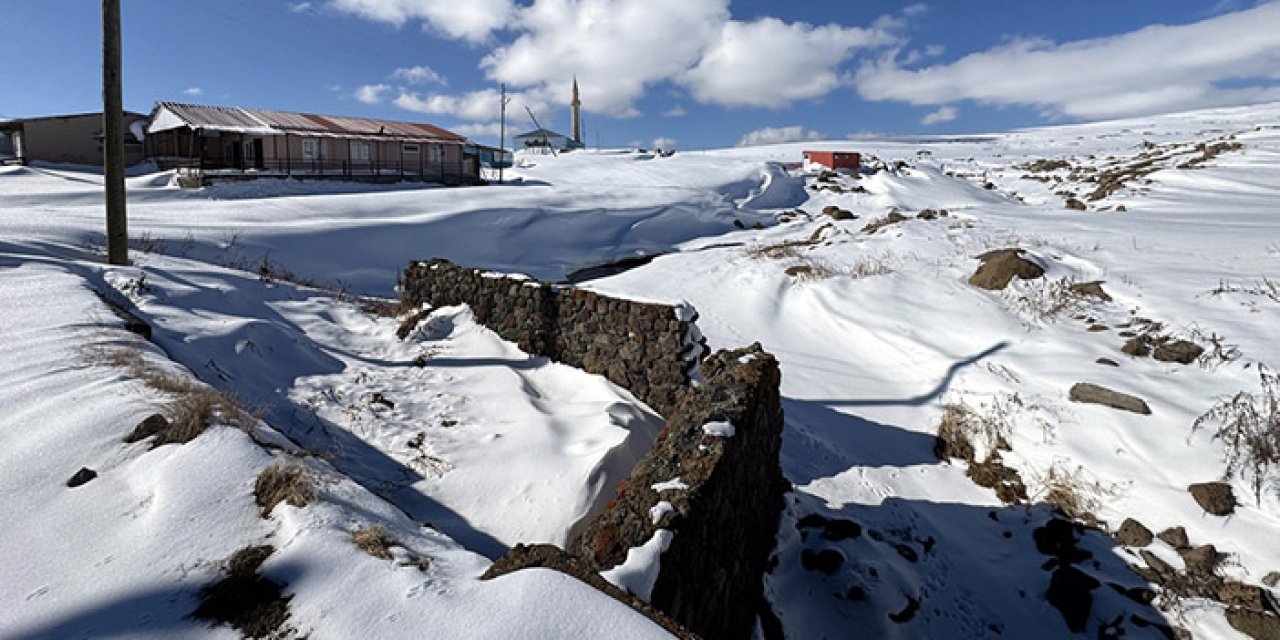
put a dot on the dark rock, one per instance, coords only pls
(1137, 346)
(1200, 561)
(1175, 537)
(994, 475)
(411, 323)
(1132, 534)
(1107, 361)
(799, 271)
(927, 214)
(1181, 351)
(84, 475)
(999, 268)
(1093, 394)
(908, 612)
(154, 424)
(1070, 592)
(1121, 208)
(1271, 579)
(1215, 498)
(1094, 328)
(1245, 596)
(1092, 289)
(1161, 568)
(1256, 625)
(738, 224)
(826, 561)
(1140, 595)
(837, 213)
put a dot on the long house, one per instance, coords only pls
(243, 142)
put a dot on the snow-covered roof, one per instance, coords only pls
(176, 115)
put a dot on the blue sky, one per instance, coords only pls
(686, 73)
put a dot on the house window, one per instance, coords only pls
(435, 154)
(360, 150)
(313, 149)
(410, 148)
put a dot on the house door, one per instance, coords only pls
(257, 153)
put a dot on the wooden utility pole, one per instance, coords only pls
(113, 135)
(502, 134)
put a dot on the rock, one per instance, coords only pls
(1070, 593)
(1093, 394)
(1245, 596)
(1094, 328)
(155, 423)
(1160, 567)
(837, 213)
(1137, 346)
(1075, 204)
(1201, 560)
(1175, 537)
(411, 323)
(1215, 498)
(999, 268)
(1271, 579)
(1107, 361)
(84, 475)
(1132, 534)
(1181, 351)
(799, 271)
(927, 214)
(994, 475)
(1092, 289)
(893, 218)
(1254, 624)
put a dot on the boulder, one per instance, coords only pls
(84, 475)
(1093, 394)
(1180, 351)
(1201, 560)
(1075, 204)
(837, 213)
(1175, 537)
(1092, 289)
(999, 268)
(1132, 534)
(1254, 624)
(1215, 498)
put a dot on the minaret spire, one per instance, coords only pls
(577, 114)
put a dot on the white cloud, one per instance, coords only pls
(914, 10)
(778, 135)
(473, 20)
(194, 92)
(675, 112)
(420, 74)
(1229, 59)
(666, 144)
(771, 63)
(945, 113)
(479, 106)
(300, 7)
(489, 129)
(372, 93)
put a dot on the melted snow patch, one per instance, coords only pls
(638, 573)
(719, 429)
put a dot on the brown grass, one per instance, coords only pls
(284, 482)
(1248, 424)
(374, 541)
(1072, 492)
(868, 266)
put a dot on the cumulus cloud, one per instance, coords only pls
(193, 92)
(473, 20)
(372, 93)
(300, 7)
(1224, 60)
(771, 63)
(778, 135)
(489, 129)
(664, 143)
(420, 74)
(478, 106)
(945, 113)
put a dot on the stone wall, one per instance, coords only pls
(650, 349)
(718, 490)
(724, 509)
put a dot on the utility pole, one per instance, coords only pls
(502, 134)
(113, 135)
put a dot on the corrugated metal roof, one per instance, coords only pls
(278, 122)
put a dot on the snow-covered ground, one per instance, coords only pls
(877, 333)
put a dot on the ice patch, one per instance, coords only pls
(638, 573)
(719, 429)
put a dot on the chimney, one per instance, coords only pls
(577, 114)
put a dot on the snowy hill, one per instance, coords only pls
(455, 445)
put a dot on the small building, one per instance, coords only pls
(67, 139)
(236, 142)
(543, 141)
(832, 160)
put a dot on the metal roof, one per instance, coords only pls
(268, 122)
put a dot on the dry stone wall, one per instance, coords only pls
(711, 480)
(650, 349)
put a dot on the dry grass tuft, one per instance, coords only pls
(1072, 492)
(1248, 424)
(284, 482)
(875, 265)
(374, 541)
